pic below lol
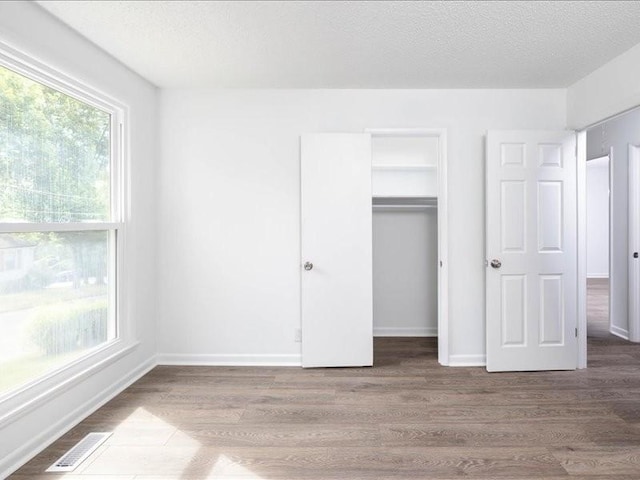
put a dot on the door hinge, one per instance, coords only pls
(576, 332)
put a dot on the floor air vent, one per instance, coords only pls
(79, 452)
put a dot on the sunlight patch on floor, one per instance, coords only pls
(142, 428)
(226, 467)
(138, 450)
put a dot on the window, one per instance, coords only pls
(60, 224)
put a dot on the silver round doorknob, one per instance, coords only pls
(496, 263)
(308, 266)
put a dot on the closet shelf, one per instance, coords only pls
(404, 202)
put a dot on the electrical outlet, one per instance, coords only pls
(298, 335)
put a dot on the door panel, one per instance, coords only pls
(531, 235)
(551, 310)
(514, 309)
(513, 204)
(336, 229)
(550, 216)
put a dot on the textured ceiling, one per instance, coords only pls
(350, 44)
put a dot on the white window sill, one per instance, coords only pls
(26, 399)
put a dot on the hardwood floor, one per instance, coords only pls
(405, 418)
(598, 308)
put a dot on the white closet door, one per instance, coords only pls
(634, 243)
(336, 263)
(531, 276)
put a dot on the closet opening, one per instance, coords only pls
(409, 243)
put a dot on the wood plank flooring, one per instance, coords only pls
(405, 418)
(598, 307)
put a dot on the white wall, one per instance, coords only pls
(609, 90)
(405, 272)
(229, 278)
(25, 26)
(598, 218)
(615, 135)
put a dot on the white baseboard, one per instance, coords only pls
(597, 275)
(223, 360)
(405, 332)
(467, 360)
(22, 455)
(619, 332)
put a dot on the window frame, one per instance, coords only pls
(28, 396)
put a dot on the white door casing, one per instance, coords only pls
(531, 233)
(336, 248)
(634, 243)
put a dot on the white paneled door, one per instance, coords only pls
(634, 243)
(336, 263)
(531, 274)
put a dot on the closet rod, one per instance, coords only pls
(404, 207)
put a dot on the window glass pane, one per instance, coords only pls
(54, 301)
(54, 155)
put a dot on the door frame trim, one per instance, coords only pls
(443, 227)
(582, 160)
(633, 224)
(581, 190)
(612, 268)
